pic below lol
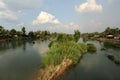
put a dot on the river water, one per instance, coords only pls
(19, 60)
(95, 66)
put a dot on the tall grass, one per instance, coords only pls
(64, 47)
(91, 48)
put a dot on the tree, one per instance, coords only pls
(31, 34)
(1, 27)
(18, 33)
(76, 35)
(107, 30)
(12, 32)
(23, 30)
(1, 30)
(117, 31)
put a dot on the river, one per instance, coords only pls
(95, 66)
(19, 60)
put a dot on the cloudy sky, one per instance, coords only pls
(60, 15)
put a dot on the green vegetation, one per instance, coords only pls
(65, 51)
(107, 31)
(11, 35)
(77, 35)
(23, 31)
(112, 31)
(64, 47)
(91, 47)
(109, 44)
(113, 58)
(103, 48)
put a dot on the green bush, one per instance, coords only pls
(60, 51)
(63, 48)
(109, 44)
(91, 47)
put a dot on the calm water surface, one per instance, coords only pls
(19, 60)
(95, 66)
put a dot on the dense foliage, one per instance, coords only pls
(91, 47)
(64, 47)
(107, 31)
(113, 58)
(77, 35)
(11, 35)
(109, 44)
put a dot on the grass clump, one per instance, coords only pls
(64, 47)
(112, 44)
(113, 58)
(91, 47)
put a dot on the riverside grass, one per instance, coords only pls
(64, 50)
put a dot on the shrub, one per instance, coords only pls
(63, 48)
(91, 47)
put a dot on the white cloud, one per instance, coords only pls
(89, 6)
(2, 5)
(20, 24)
(5, 13)
(44, 18)
(55, 24)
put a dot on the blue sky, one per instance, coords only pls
(60, 15)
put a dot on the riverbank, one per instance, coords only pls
(63, 54)
(55, 72)
(52, 72)
(106, 39)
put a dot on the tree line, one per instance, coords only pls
(107, 31)
(22, 34)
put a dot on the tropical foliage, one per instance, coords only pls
(64, 47)
(77, 35)
(13, 34)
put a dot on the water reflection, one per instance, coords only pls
(43, 48)
(9, 45)
(95, 66)
(19, 60)
(24, 45)
(113, 59)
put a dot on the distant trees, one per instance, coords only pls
(23, 30)
(107, 31)
(12, 32)
(21, 35)
(4, 34)
(1, 30)
(31, 34)
(112, 31)
(76, 35)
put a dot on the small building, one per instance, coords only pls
(110, 36)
